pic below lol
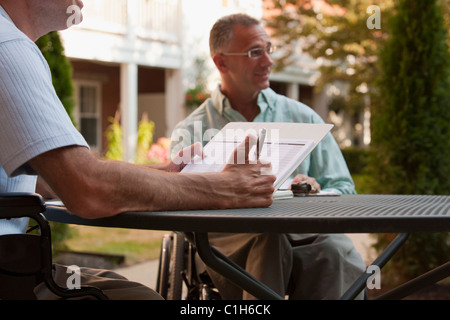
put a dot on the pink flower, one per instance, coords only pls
(159, 151)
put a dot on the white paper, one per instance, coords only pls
(285, 155)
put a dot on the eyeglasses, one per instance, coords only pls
(254, 53)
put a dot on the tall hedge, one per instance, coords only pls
(61, 69)
(411, 122)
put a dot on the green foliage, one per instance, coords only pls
(61, 232)
(61, 69)
(421, 252)
(410, 125)
(114, 136)
(195, 95)
(336, 35)
(356, 158)
(145, 138)
(362, 183)
(147, 152)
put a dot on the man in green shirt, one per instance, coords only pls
(303, 266)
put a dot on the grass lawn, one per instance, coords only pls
(136, 245)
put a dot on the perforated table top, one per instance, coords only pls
(324, 214)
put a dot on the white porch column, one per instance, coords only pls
(293, 91)
(320, 104)
(129, 108)
(175, 111)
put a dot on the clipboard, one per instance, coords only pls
(286, 146)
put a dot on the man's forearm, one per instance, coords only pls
(94, 188)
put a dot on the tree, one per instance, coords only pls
(61, 69)
(410, 123)
(336, 34)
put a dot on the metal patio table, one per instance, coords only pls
(364, 213)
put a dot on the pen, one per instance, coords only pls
(260, 142)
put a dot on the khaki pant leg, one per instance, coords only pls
(112, 284)
(267, 257)
(325, 266)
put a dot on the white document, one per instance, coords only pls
(283, 147)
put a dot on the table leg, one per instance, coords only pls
(382, 259)
(418, 283)
(221, 264)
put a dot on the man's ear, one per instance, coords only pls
(219, 61)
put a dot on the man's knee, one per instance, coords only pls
(271, 240)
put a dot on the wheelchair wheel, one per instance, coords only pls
(163, 267)
(171, 265)
(177, 262)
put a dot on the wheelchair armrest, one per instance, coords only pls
(20, 204)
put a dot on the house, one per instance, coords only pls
(126, 55)
(137, 56)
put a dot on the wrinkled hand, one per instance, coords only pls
(250, 181)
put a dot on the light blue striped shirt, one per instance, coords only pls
(325, 163)
(32, 118)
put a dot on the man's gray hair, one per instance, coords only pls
(222, 31)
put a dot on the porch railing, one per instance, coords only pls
(147, 19)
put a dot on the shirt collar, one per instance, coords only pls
(266, 100)
(5, 14)
(219, 100)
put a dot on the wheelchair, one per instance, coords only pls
(26, 259)
(181, 273)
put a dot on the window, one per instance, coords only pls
(87, 112)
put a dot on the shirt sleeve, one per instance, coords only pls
(328, 166)
(326, 162)
(32, 118)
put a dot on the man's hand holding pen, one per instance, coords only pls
(255, 179)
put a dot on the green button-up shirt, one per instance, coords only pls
(325, 163)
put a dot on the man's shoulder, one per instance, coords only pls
(274, 97)
(197, 114)
(282, 101)
(205, 110)
(8, 31)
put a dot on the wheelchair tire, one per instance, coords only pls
(163, 269)
(177, 263)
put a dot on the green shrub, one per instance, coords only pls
(356, 158)
(114, 150)
(410, 125)
(61, 69)
(411, 116)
